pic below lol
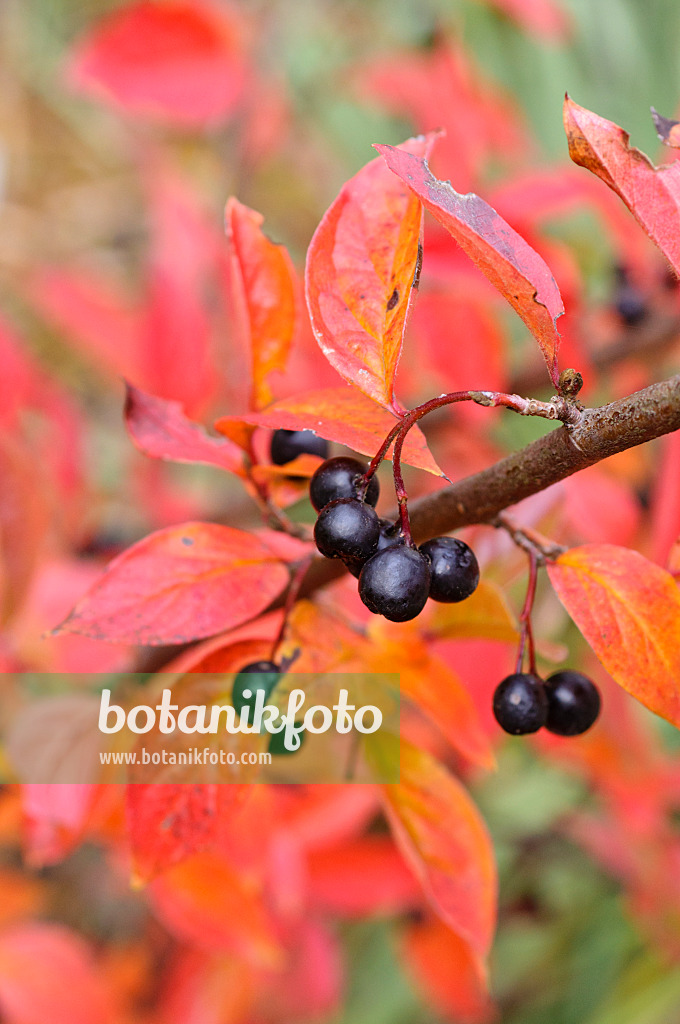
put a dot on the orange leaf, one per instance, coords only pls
(628, 609)
(513, 267)
(485, 615)
(447, 972)
(338, 414)
(205, 902)
(445, 841)
(435, 688)
(262, 281)
(362, 264)
(180, 584)
(652, 194)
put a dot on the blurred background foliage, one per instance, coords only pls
(569, 950)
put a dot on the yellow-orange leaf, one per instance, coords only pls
(361, 267)
(628, 609)
(263, 291)
(443, 838)
(485, 615)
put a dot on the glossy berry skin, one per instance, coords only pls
(395, 583)
(455, 572)
(286, 445)
(520, 705)
(340, 478)
(573, 703)
(259, 675)
(347, 528)
(390, 537)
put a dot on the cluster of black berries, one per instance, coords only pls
(567, 703)
(395, 579)
(259, 675)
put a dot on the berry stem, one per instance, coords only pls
(526, 641)
(291, 597)
(556, 409)
(529, 539)
(276, 517)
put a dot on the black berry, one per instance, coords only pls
(286, 445)
(259, 675)
(340, 478)
(277, 743)
(573, 703)
(390, 536)
(520, 704)
(395, 583)
(629, 302)
(455, 573)
(347, 528)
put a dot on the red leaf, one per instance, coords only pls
(628, 609)
(168, 823)
(48, 974)
(652, 194)
(360, 272)
(262, 282)
(443, 86)
(338, 414)
(445, 842)
(180, 584)
(513, 267)
(176, 355)
(542, 17)
(176, 61)
(160, 428)
(93, 313)
(364, 876)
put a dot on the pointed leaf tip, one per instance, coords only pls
(504, 257)
(652, 194)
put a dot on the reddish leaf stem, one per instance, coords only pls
(556, 409)
(291, 597)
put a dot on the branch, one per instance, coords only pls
(602, 432)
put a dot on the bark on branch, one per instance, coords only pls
(602, 432)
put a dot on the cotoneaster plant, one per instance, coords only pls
(239, 598)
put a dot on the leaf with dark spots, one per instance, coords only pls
(160, 428)
(508, 261)
(361, 267)
(180, 584)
